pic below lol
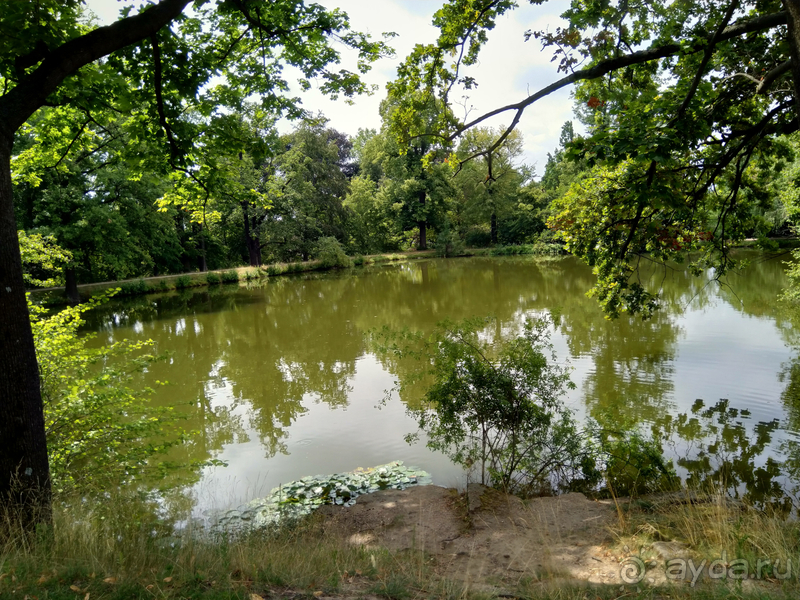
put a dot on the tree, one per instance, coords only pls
(227, 183)
(420, 168)
(678, 106)
(83, 183)
(307, 182)
(490, 199)
(49, 56)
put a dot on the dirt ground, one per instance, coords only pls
(486, 539)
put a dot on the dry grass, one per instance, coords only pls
(120, 549)
(711, 527)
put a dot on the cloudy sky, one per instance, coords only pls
(509, 69)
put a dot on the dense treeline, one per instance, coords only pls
(259, 197)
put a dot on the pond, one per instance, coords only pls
(279, 381)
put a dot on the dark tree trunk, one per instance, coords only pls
(24, 470)
(793, 17)
(253, 245)
(203, 264)
(423, 225)
(71, 286)
(494, 227)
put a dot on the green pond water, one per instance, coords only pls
(280, 382)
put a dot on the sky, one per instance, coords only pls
(509, 68)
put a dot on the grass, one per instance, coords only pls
(115, 551)
(708, 527)
(249, 275)
(120, 549)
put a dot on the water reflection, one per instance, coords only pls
(720, 448)
(279, 382)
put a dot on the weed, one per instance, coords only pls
(182, 282)
(230, 277)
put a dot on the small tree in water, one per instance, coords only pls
(499, 409)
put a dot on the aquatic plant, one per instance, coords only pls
(299, 498)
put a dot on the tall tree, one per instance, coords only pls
(489, 197)
(307, 179)
(49, 56)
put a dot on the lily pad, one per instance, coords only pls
(301, 497)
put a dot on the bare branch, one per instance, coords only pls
(770, 77)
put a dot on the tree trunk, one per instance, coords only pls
(423, 225)
(24, 470)
(494, 227)
(203, 264)
(793, 17)
(71, 286)
(253, 246)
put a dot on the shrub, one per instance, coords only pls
(633, 464)
(497, 407)
(501, 411)
(358, 260)
(448, 243)
(133, 288)
(230, 277)
(331, 255)
(98, 430)
(213, 278)
(184, 281)
(478, 238)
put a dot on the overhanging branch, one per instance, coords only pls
(613, 64)
(17, 105)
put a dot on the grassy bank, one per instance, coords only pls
(167, 283)
(115, 551)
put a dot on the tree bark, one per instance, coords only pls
(24, 470)
(253, 245)
(422, 244)
(494, 227)
(71, 286)
(793, 20)
(203, 263)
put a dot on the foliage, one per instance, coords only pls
(496, 407)
(500, 409)
(100, 430)
(685, 107)
(184, 281)
(43, 259)
(540, 248)
(448, 242)
(230, 277)
(134, 288)
(89, 187)
(331, 254)
(307, 178)
(633, 464)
